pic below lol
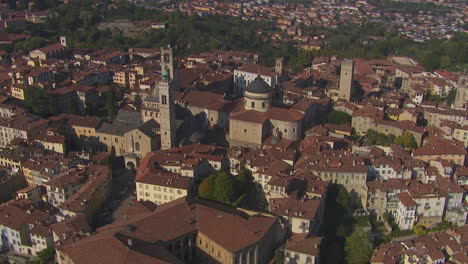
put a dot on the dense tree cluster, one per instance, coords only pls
(80, 21)
(339, 118)
(36, 100)
(222, 187)
(337, 225)
(358, 247)
(407, 140)
(372, 40)
(46, 256)
(375, 138)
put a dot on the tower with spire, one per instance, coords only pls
(166, 88)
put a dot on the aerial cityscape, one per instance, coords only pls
(233, 132)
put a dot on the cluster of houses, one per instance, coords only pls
(178, 121)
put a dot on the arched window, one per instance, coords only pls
(137, 146)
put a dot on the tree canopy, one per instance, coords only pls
(358, 247)
(375, 138)
(36, 100)
(222, 187)
(46, 256)
(339, 118)
(407, 140)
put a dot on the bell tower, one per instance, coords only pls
(461, 97)
(166, 87)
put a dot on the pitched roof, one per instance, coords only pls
(258, 69)
(406, 199)
(303, 244)
(283, 114)
(117, 248)
(250, 116)
(238, 231)
(291, 207)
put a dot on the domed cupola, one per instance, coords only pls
(258, 95)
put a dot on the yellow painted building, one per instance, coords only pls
(162, 187)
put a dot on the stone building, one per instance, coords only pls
(167, 113)
(461, 98)
(259, 119)
(246, 74)
(180, 231)
(346, 79)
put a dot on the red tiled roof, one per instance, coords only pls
(250, 116)
(406, 199)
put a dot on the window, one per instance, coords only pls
(252, 104)
(116, 140)
(137, 146)
(263, 105)
(164, 99)
(245, 130)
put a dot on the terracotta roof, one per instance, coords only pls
(71, 227)
(51, 48)
(440, 146)
(168, 222)
(114, 248)
(291, 207)
(41, 231)
(406, 199)
(75, 120)
(250, 116)
(19, 213)
(282, 114)
(167, 179)
(238, 231)
(305, 245)
(258, 69)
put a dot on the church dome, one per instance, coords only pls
(258, 86)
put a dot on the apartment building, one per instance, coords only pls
(162, 187)
(405, 215)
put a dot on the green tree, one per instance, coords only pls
(358, 247)
(244, 178)
(72, 107)
(279, 257)
(225, 189)
(206, 187)
(111, 104)
(339, 117)
(375, 138)
(46, 256)
(37, 101)
(407, 140)
(451, 96)
(236, 190)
